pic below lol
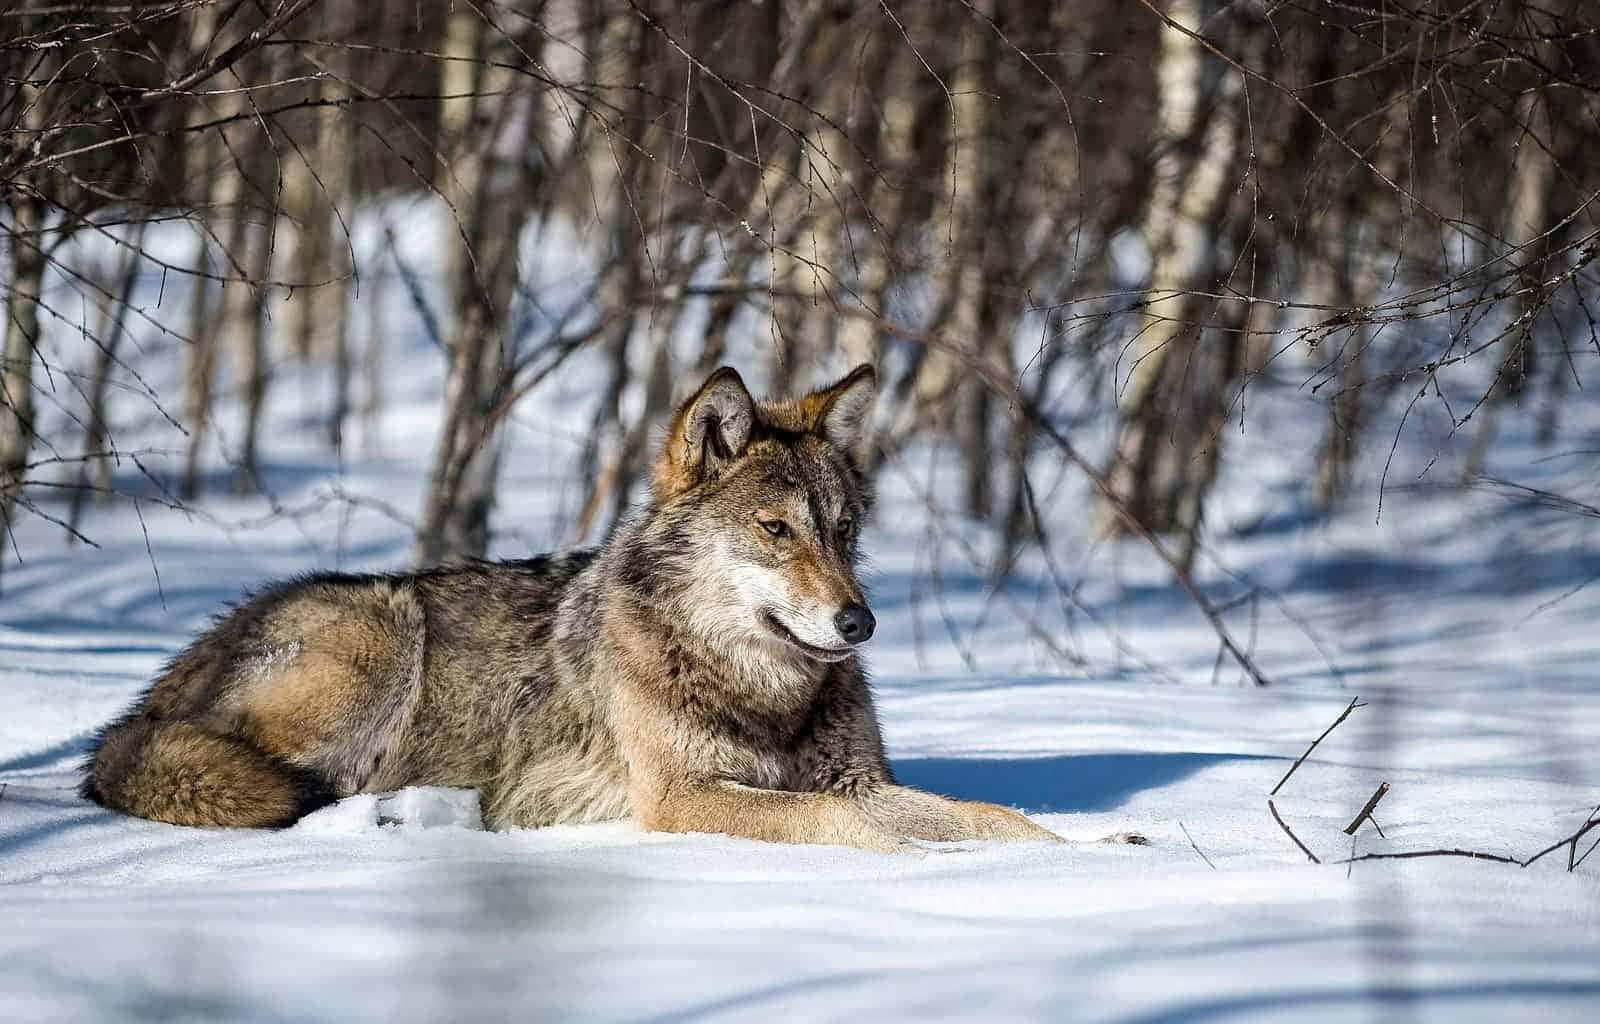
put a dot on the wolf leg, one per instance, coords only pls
(341, 687)
(177, 772)
(919, 815)
(772, 815)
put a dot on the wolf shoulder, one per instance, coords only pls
(459, 615)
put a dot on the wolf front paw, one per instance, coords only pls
(884, 842)
(1125, 838)
(991, 821)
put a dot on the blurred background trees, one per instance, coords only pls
(1024, 214)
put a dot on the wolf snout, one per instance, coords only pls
(855, 623)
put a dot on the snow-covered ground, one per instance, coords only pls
(1462, 619)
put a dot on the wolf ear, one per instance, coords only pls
(711, 428)
(843, 412)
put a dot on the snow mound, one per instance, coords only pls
(412, 807)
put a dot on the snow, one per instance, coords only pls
(1463, 620)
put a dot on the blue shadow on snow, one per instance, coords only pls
(1055, 785)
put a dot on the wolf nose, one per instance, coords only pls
(855, 623)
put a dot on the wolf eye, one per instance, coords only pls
(847, 526)
(776, 527)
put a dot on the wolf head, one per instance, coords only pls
(756, 513)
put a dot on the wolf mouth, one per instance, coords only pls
(785, 634)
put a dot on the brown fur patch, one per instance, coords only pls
(339, 674)
(770, 815)
(179, 773)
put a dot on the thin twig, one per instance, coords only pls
(1290, 833)
(1592, 823)
(1570, 841)
(1196, 846)
(1366, 812)
(149, 552)
(1414, 854)
(1354, 703)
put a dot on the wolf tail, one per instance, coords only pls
(178, 772)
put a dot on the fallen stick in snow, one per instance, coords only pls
(1366, 812)
(1196, 846)
(1290, 832)
(1413, 854)
(1355, 702)
(1571, 842)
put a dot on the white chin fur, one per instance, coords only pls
(825, 637)
(825, 648)
(762, 592)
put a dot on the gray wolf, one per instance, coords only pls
(699, 672)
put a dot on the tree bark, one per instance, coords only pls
(877, 232)
(623, 276)
(1528, 218)
(244, 324)
(1153, 469)
(958, 229)
(94, 472)
(206, 160)
(21, 342)
(336, 152)
(486, 188)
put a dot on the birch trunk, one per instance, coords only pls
(878, 232)
(336, 148)
(244, 324)
(1151, 467)
(616, 162)
(94, 472)
(21, 342)
(958, 231)
(1528, 218)
(486, 187)
(204, 157)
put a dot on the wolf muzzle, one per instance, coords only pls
(855, 623)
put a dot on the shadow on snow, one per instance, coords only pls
(1056, 785)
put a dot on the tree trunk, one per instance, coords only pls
(1353, 283)
(1354, 286)
(622, 278)
(372, 365)
(1528, 219)
(877, 232)
(337, 149)
(488, 192)
(21, 341)
(307, 234)
(244, 324)
(626, 463)
(1152, 470)
(958, 230)
(199, 366)
(725, 308)
(208, 165)
(94, 472)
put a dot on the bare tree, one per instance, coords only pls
(484, 180)
(1203, 138)
(1158, 207)
(23, 289)
(94, 470)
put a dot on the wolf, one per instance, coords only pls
(701, 671)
